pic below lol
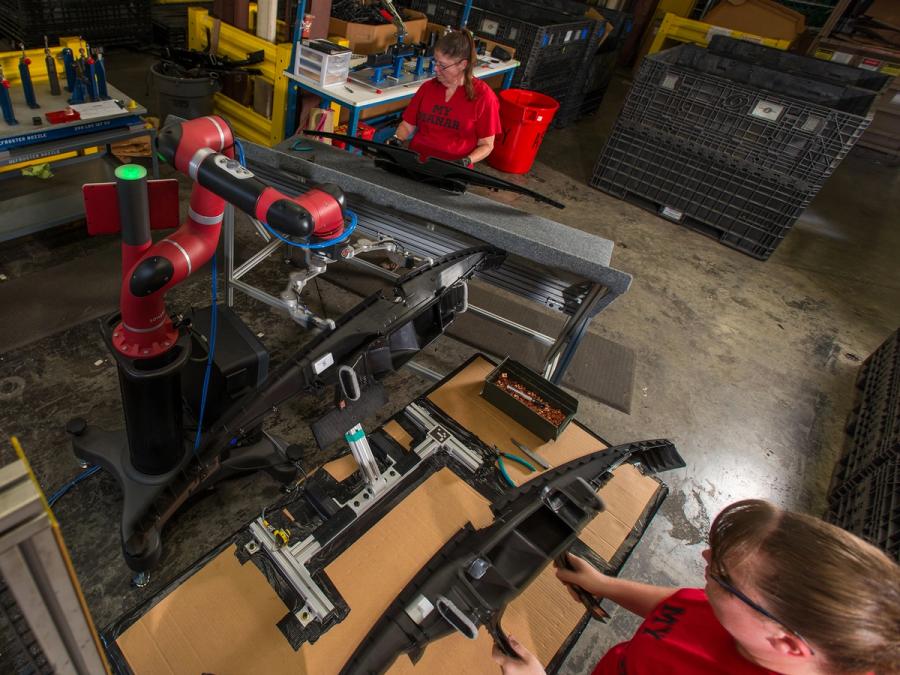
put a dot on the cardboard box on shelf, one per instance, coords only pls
(760, 17)
(366, 39)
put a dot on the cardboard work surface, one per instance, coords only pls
(222, 618)
(626, 496)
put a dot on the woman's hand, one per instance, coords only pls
(526, 664)
(584, 575)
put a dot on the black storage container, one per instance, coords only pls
(102, 23)
(240, 363)
(865, 488)
(503, 400)
(597, 68)
(549, 43)
(726, 147)
(797, 64)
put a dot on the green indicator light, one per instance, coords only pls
(131, 172)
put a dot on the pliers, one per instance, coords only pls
(499, 456)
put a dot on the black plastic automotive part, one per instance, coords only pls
(379, 335)
(440, 173)
(470, 581)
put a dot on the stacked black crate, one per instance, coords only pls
(550, 41)
(100, 22)
(736, 140)
(597, 69)
(865, 489)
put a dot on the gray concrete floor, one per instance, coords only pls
(748, 366)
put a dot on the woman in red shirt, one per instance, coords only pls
(455, 115)
(785, 593)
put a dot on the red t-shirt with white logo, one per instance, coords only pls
(681, 636)
(451, 129)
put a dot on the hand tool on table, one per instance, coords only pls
(543, 463)
(25, 74)
(590, 602)
(52, 75)
(527, 397)
(100, 67)
(6, 102)
(499, 456)
(69, 68)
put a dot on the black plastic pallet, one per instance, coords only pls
(731, 201)
(771, 130)
(593, 75)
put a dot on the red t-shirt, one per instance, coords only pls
(451, 129)
(681, 636)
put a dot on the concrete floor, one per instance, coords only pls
(748, 366)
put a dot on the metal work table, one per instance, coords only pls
(550, 263)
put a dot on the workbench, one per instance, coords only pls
(220, 616)
(33, 204)
(559, 267)
(357, 97)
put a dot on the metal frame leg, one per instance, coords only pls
(507, 79)
(353, 122)
(228, 252)
(560, 355)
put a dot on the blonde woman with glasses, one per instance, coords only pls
(785, 593)
(455, 116)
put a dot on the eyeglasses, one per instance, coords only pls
(752, 605)
(446, 66)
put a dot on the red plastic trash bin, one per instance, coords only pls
(524, 116)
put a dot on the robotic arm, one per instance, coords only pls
(202, 149)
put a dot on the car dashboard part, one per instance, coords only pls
(534, 524)
(378, 336)
(446, 175)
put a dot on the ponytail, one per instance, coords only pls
(460, 44)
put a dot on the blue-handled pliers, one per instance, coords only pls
(499, 456)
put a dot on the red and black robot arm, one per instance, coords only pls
(203, 149)
(317, 213)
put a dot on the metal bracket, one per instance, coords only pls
(292, 560)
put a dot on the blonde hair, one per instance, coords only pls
(459, 45)
(837, 591)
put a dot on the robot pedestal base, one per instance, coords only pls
(109, 450)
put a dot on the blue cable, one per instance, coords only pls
(87, 473)
(213, 326)
(319, 245)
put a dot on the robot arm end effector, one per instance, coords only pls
(203, 148)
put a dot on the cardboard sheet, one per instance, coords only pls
(222, 620)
